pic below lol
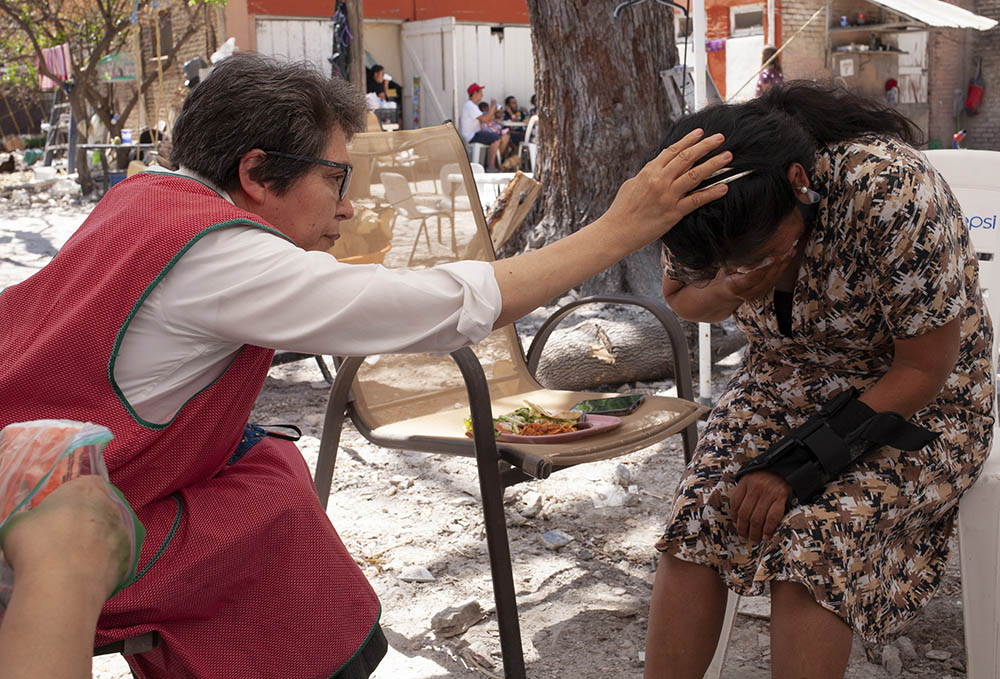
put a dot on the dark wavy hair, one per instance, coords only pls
(251, 101)
(786, 125)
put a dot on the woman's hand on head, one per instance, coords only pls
(652, 202)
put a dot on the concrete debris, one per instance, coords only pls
(416, 574)
(456, 620)
(906, 648)
(604, 494)
(935, 654)
(554, 539)
(532, 504)
(891, 661)
(758, 607)
(623, 476)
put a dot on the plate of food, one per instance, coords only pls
(534, 424)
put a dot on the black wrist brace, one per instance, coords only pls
(819, 450)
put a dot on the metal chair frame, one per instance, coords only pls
(498, 466)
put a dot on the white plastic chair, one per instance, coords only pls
(529, 143)
(974, 177)
(477, 153)
(399, 196)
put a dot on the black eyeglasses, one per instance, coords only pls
(345, 179)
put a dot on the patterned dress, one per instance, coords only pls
(889, 256)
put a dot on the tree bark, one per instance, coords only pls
(602, 114)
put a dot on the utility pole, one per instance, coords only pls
(356, 69)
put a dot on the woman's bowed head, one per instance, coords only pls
(747, 238)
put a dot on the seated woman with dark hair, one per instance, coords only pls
(376, 82)
(833, 464)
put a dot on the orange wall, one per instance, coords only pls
(497, 11)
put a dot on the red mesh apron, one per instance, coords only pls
(242, 573)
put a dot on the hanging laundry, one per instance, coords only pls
(58, 63)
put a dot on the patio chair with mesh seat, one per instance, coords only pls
(419, 402)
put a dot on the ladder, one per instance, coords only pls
(60, 131)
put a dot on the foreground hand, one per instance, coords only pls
(652, 202)
(78, 527)
(758, 505)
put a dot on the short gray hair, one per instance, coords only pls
(251, 101)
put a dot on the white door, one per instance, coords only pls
(742, 64)
(499, 58)
(448, 57)
(912, 67)
(429, 58)
(297, 40)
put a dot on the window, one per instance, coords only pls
(746, 20)
(166, 31)
(682, 25)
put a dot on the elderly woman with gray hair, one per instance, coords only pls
(159, 317)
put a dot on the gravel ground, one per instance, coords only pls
(582, 607)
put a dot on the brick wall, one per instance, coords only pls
(164, 102)
(984, 128)
(946, 55)
(806, 56)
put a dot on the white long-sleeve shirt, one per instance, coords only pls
(242, 285)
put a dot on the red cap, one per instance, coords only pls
(473, 88)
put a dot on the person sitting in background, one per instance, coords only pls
(771, 75)
(471, 121)
(377, 83)
(492, 125)
(533, 110)
(513, 112)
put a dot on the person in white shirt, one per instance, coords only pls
(165, 307)
(470, 126)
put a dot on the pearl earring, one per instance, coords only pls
(803, 189)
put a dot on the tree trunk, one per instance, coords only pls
(78, 105)
(355, 22)
(602, 114)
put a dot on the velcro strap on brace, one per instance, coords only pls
(820, 449)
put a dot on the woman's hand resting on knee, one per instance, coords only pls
(758, 505)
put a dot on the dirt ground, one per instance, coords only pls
(582, 606)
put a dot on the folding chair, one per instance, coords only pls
(397, 192)
(140, 644)
(392, 410)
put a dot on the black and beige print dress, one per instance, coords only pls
(888, 257)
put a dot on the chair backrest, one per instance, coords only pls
(372, 123)
(397, 192)
(530, 129)
(390, 388)
(974, 178)
(454, 169)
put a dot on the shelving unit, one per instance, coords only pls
(878, 28)
(866, 71)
